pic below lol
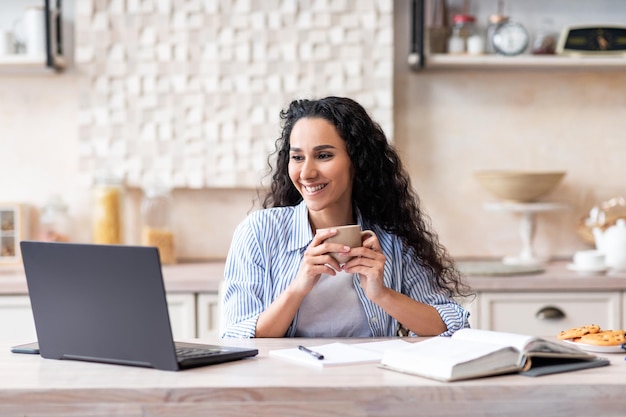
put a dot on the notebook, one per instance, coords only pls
(106, 303)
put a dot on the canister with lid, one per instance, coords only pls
(156, 218)
(108, 204)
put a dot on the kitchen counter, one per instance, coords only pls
(555, 277)
(201, 277)
(196, 277)
(264, 386)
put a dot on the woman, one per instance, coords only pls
(335, 167)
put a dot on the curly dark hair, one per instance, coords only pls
(381, 189)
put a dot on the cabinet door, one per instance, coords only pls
(17, 324)
(546, 314)
(472, 305)
(209, 315)
(16, 319)
(623, 322)
(182, 311)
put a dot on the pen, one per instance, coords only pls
(311, 352)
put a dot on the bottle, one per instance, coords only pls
(475, 44)
(495, 20)
(438, 29)
(108, 203)
(462, 29)
(156, 218)
(54, 221)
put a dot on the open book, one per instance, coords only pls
(472, 353)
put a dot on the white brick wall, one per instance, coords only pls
(192, 89)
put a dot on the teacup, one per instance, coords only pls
(350, 235)
(589, 259)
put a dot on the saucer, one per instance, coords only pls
(596, 348)
(588, 270)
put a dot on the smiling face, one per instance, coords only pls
(321, 170)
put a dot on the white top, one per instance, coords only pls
(333, 308)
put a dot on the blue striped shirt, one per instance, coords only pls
(265, 256)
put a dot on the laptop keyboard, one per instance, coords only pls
(191, 352)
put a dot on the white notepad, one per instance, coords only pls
(336, 354)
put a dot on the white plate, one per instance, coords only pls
(595, 348)
(596, 270)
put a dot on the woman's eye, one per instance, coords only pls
(296, 157)
(325, 155)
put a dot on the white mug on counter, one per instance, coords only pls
(7, 43)
(589, 259)
(35, 31)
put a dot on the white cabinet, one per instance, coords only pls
(17, 324)
(182, 311)
(16, 319)
(209, 318)
(547, 313)
(623, 310)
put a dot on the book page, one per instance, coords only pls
(517, 341)
(445, 358)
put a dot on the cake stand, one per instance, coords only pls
(527, 225)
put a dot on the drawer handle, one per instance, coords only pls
(550, 313)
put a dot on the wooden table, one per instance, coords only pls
(264, 386)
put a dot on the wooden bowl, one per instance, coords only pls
(519, 186)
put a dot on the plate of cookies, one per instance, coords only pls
(595, 339)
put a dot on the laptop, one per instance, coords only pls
(106, 303)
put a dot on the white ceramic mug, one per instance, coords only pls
(350, 235)
(6, 43)
(589, 259)
(34, 31)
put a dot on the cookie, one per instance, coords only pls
(578, 331)
(605, 338)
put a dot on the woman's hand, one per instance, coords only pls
(369, 263)
(317, 260)
(277, 318)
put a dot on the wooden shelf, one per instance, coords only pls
(21, 63)
(605, 62)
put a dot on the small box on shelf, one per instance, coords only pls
(13, 228)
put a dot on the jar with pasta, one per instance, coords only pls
(156, 213)
(108, 203)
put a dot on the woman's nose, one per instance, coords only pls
(309, 169)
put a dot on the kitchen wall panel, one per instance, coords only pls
(192, 90)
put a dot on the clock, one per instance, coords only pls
(510, 38)
(605, 39)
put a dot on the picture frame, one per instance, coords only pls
(13, 229)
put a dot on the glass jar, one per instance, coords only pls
(54, 221)
(546, 38)
(464, 26)
(495, 21)
(108, 203)
(156, 219)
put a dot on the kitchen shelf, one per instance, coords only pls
(53, 59)
(25, 62)
(421, 59)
